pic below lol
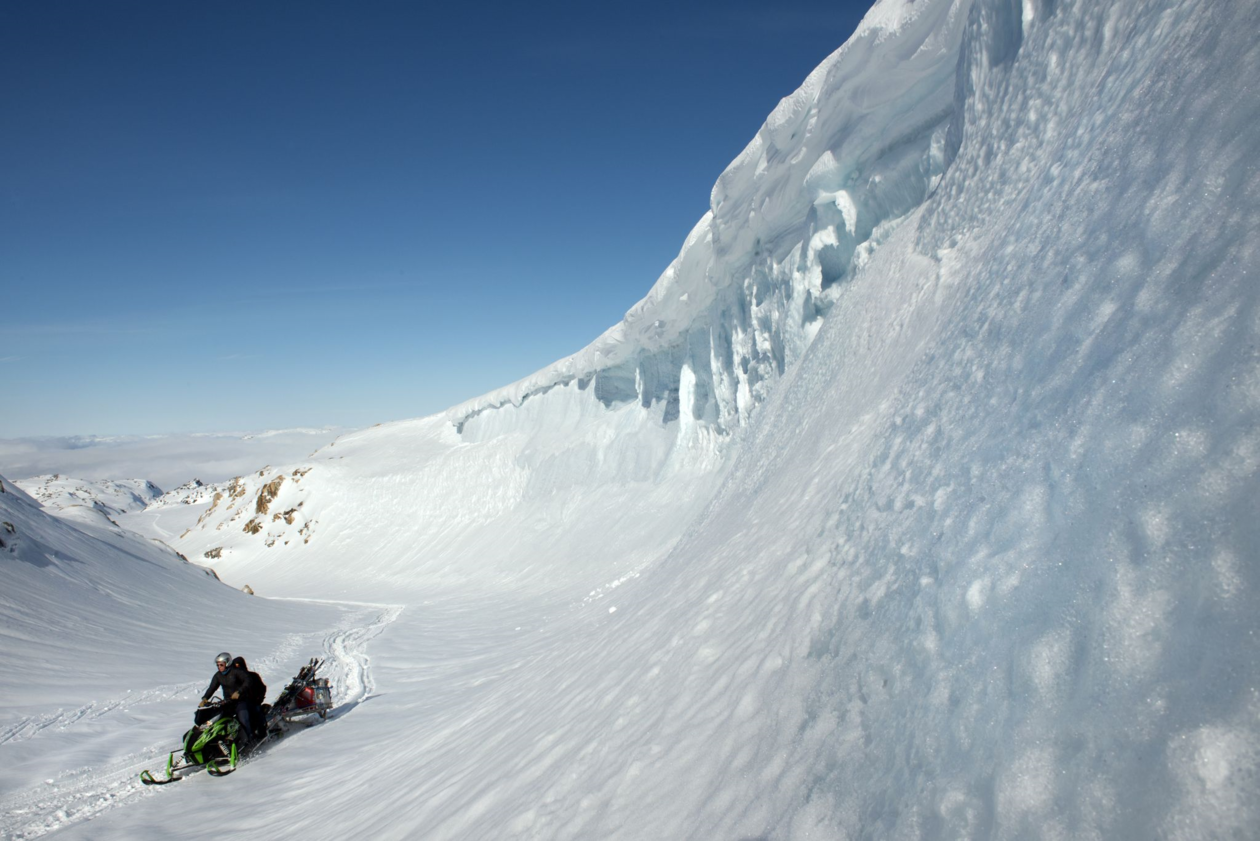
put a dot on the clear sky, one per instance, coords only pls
(232, 216)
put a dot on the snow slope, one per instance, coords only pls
(937, 524)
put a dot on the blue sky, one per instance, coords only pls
(234, 216)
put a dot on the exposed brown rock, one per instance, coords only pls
(214, 503)
(268, 494)
(253, 526)
(215, 553)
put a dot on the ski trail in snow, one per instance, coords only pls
(76, 795)
(81, 793)
(61, 720)
(346, 662)
(32, 726)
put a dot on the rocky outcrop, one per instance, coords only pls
(268, 495)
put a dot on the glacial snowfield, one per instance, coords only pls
(917, 499)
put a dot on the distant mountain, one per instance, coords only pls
(190, 493)
(109, 497)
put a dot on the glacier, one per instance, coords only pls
(916, 499)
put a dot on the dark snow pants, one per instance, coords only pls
(251, 718)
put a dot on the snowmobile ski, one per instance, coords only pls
(146, 777)
(220, 768)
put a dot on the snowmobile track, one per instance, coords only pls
(347, 664)
(32, 726)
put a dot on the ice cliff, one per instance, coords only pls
(860, 144)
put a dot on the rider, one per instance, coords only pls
(243, 689)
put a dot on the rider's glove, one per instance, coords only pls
(235, 695)
(203, 702)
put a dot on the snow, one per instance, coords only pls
(96, 502)
(101, 632)
(917, 499)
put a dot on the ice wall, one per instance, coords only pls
(635, 427)
(991, 549)
(838, 162)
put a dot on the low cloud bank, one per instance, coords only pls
(166, 460)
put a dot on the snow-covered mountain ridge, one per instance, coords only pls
(109, 497)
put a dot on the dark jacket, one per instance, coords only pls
(237, 679)
(254, 691)
(232, 679)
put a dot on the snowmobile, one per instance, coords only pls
(216, 741)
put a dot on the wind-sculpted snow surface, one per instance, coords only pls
(982, 563)
(991, 552)
(578, 495)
